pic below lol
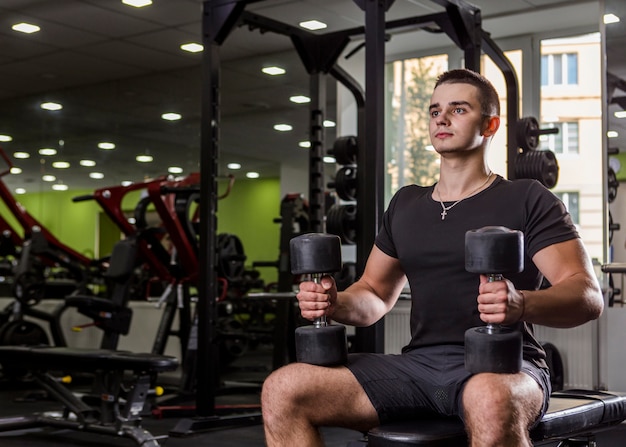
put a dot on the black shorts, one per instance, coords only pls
(424, 381)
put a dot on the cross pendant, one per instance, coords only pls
(443, 215)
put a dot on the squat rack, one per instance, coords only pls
(462, 24)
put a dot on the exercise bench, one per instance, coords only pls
(115, 405)
(574, 417)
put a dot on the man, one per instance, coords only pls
(422, 240)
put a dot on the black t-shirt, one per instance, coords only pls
(432, 252)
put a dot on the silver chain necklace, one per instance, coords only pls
(445, 209)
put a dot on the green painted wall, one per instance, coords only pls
(248, 212)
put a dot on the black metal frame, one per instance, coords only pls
(461, 22)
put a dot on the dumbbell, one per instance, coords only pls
(323, 344)
(493, 251)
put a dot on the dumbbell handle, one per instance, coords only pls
(319, 321)
(493, 277)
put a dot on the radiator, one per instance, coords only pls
(397, 327)
(577, 347)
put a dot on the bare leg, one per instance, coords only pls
(298, 398)
(500, 408)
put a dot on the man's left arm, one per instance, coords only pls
(574, 297)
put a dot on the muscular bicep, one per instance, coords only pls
(383, 276)
(563, 260)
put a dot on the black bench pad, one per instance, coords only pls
(571, 413)
(84, 360)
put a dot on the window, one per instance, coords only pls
(559, 69)
(563, 142)
(570, 199)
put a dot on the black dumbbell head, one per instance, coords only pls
(315, 253)
(494, 250)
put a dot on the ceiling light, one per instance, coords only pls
(170, 116)
(252, 174)
(51, 106)
(610, 18)
(27, 28)
(126, 183)
(273, 71)
(312, 25)
(300, 99)
(175, 170)
(137, 3)
(107, 146)
(612, 134)
(48, 178)
(47, 151)
(329, 123)
(61, 164)
(233, 166)
(21, 155)
(96, 175)
(88, 163)
(192, 47)
(60, 187)
(15, 170)
(329, 159)
(5, 138)
(283, 127)
(620, 114)
(305, 144)
(20, 191)
(144, 158)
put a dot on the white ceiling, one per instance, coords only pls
(116, 68)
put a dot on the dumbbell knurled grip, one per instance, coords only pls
(319, 321)
(493, 277)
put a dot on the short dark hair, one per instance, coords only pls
(489, 99)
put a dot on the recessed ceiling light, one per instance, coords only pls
(610, 18)
(15, 170)
(144, 158)
(175, 170)
(126, 183)
(47, 151)
(21, 155)
(106, 145)
(612, 134)
(620, 114)
(96, 175)
(300, 99)
(252, 174)
(60, 187)
(192, 47)
(20, 191)
(273, 71)
(329, 159)
(51, 106)
(61, 164)
(233, 166)
(283, 127)
(27, 28)
(171, 116)
(137, 3)
(305, 144)
(6, 138)
(88, 163)
(329, 123)
(312, 25)
(48, 178)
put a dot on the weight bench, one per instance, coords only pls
(114, 406)
(574, 417)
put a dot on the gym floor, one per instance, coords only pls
(241, 386)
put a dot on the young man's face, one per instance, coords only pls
(456, 120)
